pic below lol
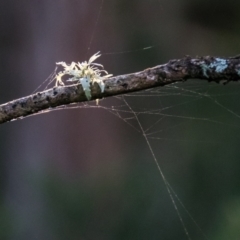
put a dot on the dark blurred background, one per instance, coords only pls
(85, 173)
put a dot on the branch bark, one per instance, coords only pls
(203, 68)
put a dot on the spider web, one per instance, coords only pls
(174, 121)
(177, 117)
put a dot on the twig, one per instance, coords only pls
(203, 68)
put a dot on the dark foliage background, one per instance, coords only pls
(85, 174)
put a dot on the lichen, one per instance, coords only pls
(205, 68)
(219, 64)
(85, 73)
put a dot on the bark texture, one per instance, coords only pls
(203, 68)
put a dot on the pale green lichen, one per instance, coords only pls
(219, 64)
(205, 68)
(86, 73)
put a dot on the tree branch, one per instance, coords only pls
(204, 68)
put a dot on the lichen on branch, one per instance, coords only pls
(202, 68)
